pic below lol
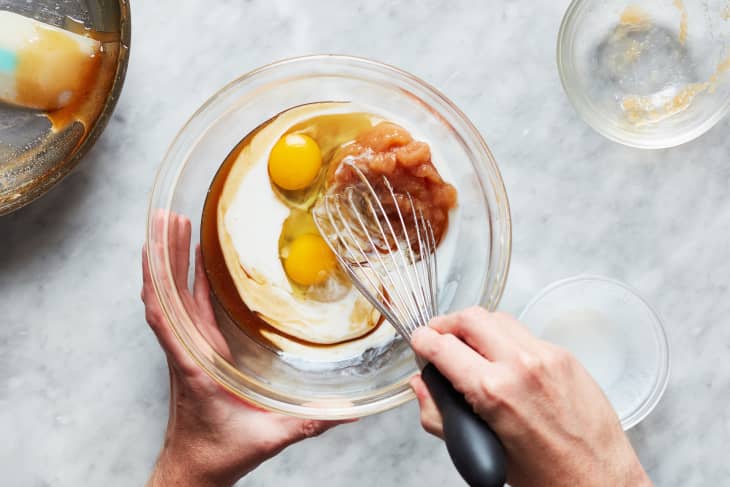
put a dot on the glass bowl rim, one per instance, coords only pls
(383, 402)
(594, 117)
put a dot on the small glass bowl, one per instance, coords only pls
(376, 381)
(613, 332)
(650, 74)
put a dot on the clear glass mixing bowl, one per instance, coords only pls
(376, 381)
(649, 74)
(613, 332)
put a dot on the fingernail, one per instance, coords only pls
(416, 336)
(422, 333)
(427, 331)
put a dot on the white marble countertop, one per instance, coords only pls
(83, 385)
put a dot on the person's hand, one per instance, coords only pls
(212, 438)
(557, 427)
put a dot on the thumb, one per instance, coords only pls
(430, 415)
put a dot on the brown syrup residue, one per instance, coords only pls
(221, 282)
(683, 21)
(633, 16)
(643, 110)
(88, 105)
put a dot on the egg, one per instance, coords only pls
(294, 162)
(309, 260)
(251, 218)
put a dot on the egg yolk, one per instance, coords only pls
(310, 261)
(294, 162)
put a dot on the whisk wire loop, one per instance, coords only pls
(392, 265)
(409, 270)
(348, 264)
(394, 289)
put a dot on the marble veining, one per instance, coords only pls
(83, 386)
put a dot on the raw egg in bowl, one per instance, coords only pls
(291, 333)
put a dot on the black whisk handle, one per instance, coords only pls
(475, 450)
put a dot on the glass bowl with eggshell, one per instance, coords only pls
(651, 74)
(366, 375)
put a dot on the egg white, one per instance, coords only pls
(250, 222)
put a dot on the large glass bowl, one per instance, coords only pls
(649, 74)
(377, 381)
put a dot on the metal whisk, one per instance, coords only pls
(388, 249)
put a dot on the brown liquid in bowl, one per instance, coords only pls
(221, 283)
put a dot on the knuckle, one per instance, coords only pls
(153, 317)
(559, 357)
(502, 316)
(449, 345)
(474, 313)
(450, 340)
(490, 394)
(478, 398)
(568, 361)
(531, 366)
(310, 428)
(491, 389)
(430, 348)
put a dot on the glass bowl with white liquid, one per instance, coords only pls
(616, 335)
(313, 384)
(650, 74)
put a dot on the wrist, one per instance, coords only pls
(633, 473)
(638, 477)
(178, 469)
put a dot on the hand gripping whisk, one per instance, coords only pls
(387, 248)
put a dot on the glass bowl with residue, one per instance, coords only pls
(38, 149)
(329, 387)
(650, 74)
